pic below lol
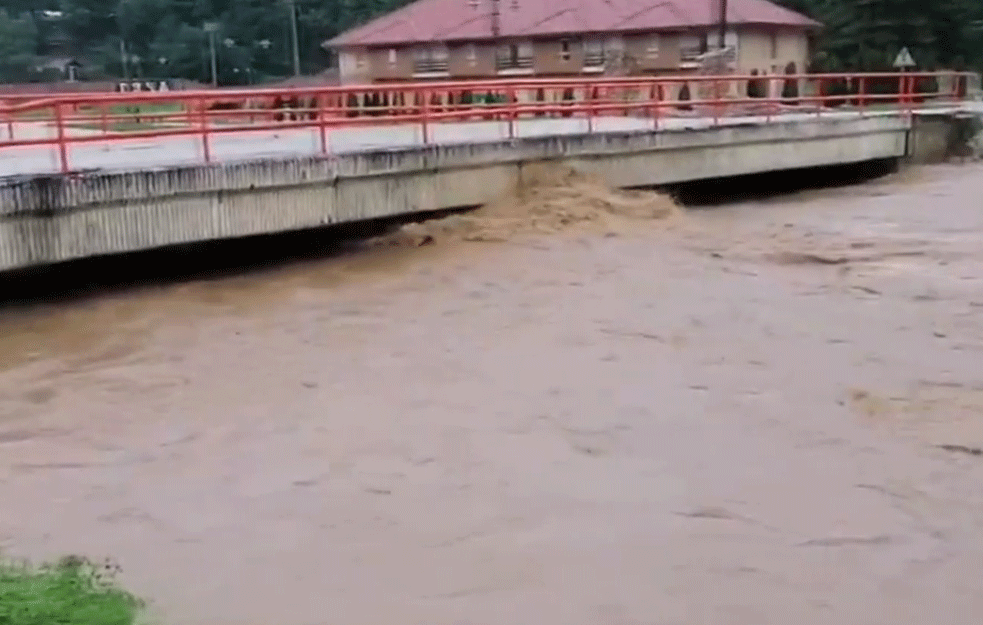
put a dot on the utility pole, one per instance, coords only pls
(295, 38)
(123, 60)
(211, 28)
(496, 18)
(722, 34)
(211, 40)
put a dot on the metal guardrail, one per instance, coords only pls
(67, 120)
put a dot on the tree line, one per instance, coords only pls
(865, 35)
(253, 40)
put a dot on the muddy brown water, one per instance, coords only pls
(766, 413)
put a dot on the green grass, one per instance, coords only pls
(160, 108)
(72, 591)
(121, 110)
(121, 126)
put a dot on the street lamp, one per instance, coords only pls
(211, 28)
(293, 29)
(123, 56)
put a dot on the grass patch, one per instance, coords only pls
(161, 108)
(72, 591)
(132, 118)
(123, 126)
(113, 110)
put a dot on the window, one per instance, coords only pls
(593, 53)
(392, 56)
(691, 47)
(774, 45)
(565, 49)
(347, 63)
(431, 53)
(652, 50)
(430, 60)
(515, 58)
(470, 54)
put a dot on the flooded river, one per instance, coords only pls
(765, 412)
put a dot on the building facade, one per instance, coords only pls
(452, 39)
(764, 50)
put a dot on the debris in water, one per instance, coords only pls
(962, 449)
(550, 199)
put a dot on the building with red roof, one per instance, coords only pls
(465, 39)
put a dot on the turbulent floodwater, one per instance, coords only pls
(765, 413)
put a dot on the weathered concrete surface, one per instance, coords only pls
(53, 218)
(934, 136)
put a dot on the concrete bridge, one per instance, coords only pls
(149, 194)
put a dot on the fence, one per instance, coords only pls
(63, 121)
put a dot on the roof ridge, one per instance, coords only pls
(435, 20)
(471, 20)
(548, 18)
(644, 10)
(374, 25)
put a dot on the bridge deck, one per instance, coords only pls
(121, 153)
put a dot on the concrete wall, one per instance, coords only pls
(935, 137)
(653, 53)
(45, 219)
(769, 51)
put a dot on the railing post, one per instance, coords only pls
(716, 103)
(656, 104)
(820, 100)
(862, 95)
(103, 118)
(60, 134)
(425, 116)
(905, 94)
(512, 107)
(203, 127)
(593, 93)
(322, 122)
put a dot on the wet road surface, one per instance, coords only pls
(767, 412)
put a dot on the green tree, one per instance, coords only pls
(857, 34)
(867, 34)
(18, 40)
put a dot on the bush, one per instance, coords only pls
(72, 591)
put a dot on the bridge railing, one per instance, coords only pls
(65, 121)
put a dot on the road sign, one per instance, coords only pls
(904, 59)
(143, 85)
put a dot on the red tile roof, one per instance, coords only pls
(463, 20)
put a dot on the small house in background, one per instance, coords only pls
(479, 39)
(61, 68)
(73, 69)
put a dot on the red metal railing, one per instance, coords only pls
(64, 121)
